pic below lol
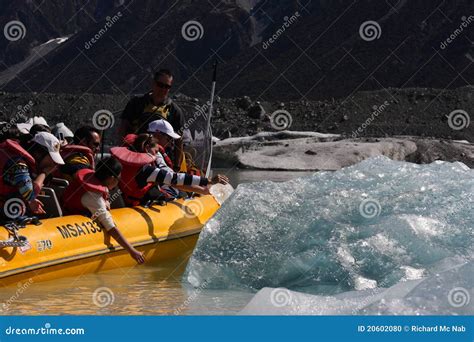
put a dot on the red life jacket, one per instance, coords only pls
(165, 156)
(10, 149)
(129, 139)
(85, 181)
(69, 150)
(132, 162)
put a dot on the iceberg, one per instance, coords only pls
(372, 229)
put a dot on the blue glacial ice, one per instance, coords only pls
(367, 227)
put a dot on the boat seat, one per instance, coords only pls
(59, 185)
(50, 203)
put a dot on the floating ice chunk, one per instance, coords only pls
(447, 293)
(362, 283)
(412, 273)
(424, 225)
(324, 245)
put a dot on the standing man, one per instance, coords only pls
(155, 105)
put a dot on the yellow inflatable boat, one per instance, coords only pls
(74, 245)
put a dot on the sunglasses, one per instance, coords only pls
(163, 85)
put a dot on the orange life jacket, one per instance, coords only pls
(129, 139)
(85, 181)
(132, 162)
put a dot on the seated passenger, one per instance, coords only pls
(164, 134)
(88, 193)
(63, 133)
(36, 128)
(141, 173)
(26, 127)
(23, 171)
(80, 155)
(8, 131)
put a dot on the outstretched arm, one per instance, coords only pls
(117, 235)
(98, 208)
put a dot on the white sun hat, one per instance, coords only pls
(162, 126)
(51, 143)
(37, 120)
(61, 131)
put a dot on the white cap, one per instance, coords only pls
(61, 131)
(162, 126)
(51, 143)
(37, 120)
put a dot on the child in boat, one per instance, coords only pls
(24, 170)
(80, 154)
(144, 167)
(89, 193)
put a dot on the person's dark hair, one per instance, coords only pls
(142, 141)
(108, 167)
(37, 151)
(84, 132)
(162, 72)
(9, 132)
(36, 128)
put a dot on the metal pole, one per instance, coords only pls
(209, 129)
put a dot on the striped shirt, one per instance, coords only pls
(150, 174)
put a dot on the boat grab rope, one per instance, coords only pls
(12, 242)
(17, 240)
